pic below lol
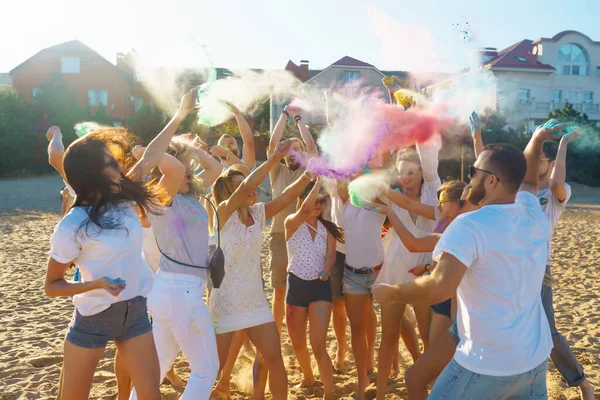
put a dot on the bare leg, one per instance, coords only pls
(78, 370)
(297, 319)
(391, 316)
(266, 339)
(371, 336)
(430, 365)
(340, 321)
(141, 361)
(279, 307)
(423, 314)
(358, 307)
(319, 314)
(224, 385)
(409, 337)
(123, 378)
(439, 325)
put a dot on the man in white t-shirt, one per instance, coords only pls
(494, 259)
(553, 195)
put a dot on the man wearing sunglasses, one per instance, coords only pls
(495, 258)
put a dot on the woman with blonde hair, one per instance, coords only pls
(180, 318)
(240, 303)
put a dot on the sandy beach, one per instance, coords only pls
(32, 326)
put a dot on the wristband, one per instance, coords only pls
(297, 118)
(284, 111)
(228, 154)
(427, 265)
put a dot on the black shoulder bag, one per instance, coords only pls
(216, 265)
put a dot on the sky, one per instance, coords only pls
(390, 34)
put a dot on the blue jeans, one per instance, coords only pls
(456, 382)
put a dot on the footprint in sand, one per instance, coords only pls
(44, 361)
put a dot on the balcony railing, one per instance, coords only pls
(544, 106)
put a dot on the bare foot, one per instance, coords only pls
(175, 380)
(222, 390)
(587, 390)
(340, 359)
(306, 383)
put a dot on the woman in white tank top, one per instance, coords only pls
(311, 251)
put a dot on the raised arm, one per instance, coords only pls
(559, 172)
(290, 194)
(224, 153)
(311, 147)
(56, 150)
(245, 189)
(295, 220)
(548, 131)
(248, 154)
(476, 133)
(211, 167)
(405, 202)
(172, 170)
(392, 87)
(277, 133)
(429, 155)
(158, 146)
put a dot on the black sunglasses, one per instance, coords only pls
(113, 164)
(473, 170)
(321, 200)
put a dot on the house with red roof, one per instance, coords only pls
(534, 77)
(343, 71)
(95, 79)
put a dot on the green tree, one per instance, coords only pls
(18, 150)
(102, 117)
(54, 97)
(568, 113)
(147, 123)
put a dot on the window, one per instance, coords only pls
(138, 103)
(117, 124)
(571, 97)
(136, 76)
(97, 97)
(588, 97)
(557, 96)
(521, 59)
(70, 65)
(350, 76)
(571, 60)
(523, 96)
(34, 93)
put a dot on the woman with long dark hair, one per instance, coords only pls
(311, 252)
(102, 235)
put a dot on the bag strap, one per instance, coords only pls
(218, 238)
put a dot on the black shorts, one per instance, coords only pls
(443, 308)
(301, 293)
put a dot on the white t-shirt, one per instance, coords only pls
(362, 233)
(553, 209)
(113, 253)
(502, 324)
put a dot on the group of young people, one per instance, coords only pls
(470, 259)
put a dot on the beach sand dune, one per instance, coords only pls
(32, 326)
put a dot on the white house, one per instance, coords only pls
(536, 77)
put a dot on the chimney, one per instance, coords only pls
(304, 75)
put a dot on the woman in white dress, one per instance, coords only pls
(240, 302)
(420, 181)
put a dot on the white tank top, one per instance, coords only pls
(307, 256)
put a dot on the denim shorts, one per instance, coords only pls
(120, 322)
(301, 293)
(358, 283)
(454, 330)
(457, 382)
